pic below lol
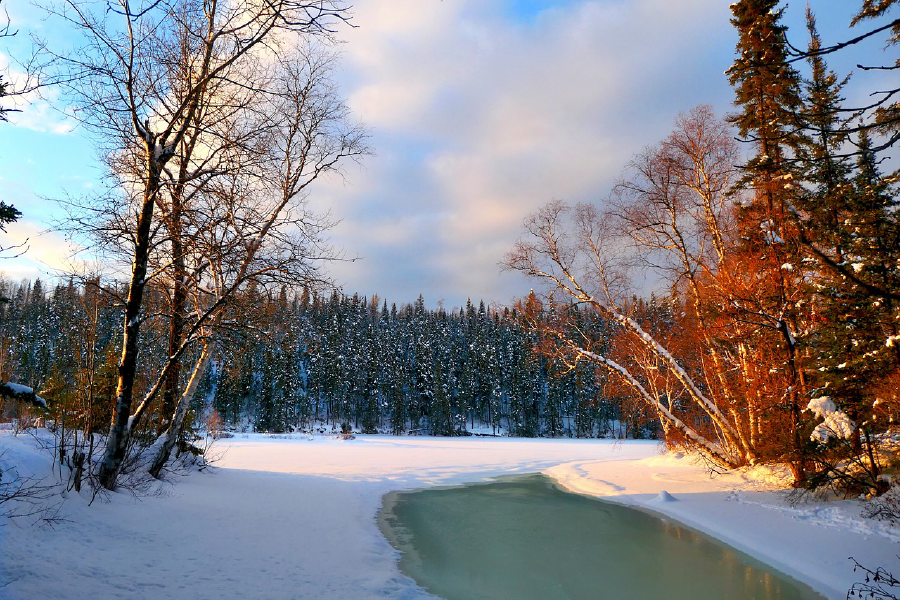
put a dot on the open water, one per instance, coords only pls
(523, 538)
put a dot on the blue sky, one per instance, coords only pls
(480, 112)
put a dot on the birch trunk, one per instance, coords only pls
(167, 440)
(117, 442)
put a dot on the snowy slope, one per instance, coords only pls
(295, 518)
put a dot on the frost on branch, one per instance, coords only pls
(836, 422)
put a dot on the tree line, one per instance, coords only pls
(300, 361)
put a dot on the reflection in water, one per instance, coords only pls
(524, 538)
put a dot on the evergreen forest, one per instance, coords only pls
(304, 362)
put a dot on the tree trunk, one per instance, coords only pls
(117, 441)
(166, 441)
(176, 325)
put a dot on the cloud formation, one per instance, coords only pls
(480, 116)
(481, 111)
(32, 252)
(31, 110)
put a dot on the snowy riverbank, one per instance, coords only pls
(294, 517)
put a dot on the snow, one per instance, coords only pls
(665, 496)
(836, 423)
(17, 388)
(295, 516)
(821, 406)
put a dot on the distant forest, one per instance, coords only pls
(295, 361)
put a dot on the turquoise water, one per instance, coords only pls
(525, 538)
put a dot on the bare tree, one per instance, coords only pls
(5, 90)
(575, 251)
(146, 76)
(255, 227)
(674, 207)
(9, 214)
(676, 204)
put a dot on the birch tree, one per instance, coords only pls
(143, 76)
(674, 207)
(574, 250)
(255, 227)
(770, 298)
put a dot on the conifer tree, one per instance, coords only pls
(767, 91)
(825, 206)
(8, 214)
(768, 293)
(825, 169)
(853, 349)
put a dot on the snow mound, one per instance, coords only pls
(21, 392)
(664, 496)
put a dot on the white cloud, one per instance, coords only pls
(479, 119)
(33, 110)
(32, 252)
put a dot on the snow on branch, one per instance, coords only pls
(836, 423)
(21, 393)
(708, 448)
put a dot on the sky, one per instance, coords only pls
(479, 112)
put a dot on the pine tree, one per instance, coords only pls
(855, 356)
(766, 287)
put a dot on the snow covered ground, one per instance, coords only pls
(294, 517)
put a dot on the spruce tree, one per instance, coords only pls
(825, 204)
(767, 90)
(887, 115)
(856, 355)
(767, 292)
(827, 173)
(850, 221)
